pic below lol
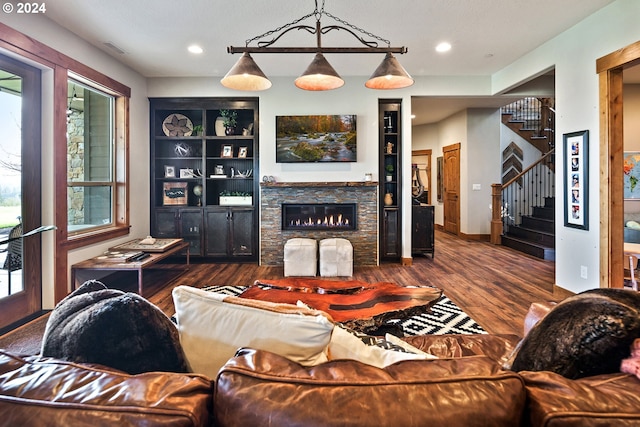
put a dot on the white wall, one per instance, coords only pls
(574, 54)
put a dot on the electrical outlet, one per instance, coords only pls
(476, 187)
(583, 271)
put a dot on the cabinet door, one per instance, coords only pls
(422, 228)
(191, 229)
(217, 235)
(391, 237)
(166, 224)
(241, 232)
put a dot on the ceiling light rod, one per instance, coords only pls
(265, 46)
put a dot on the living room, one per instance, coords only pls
(606, 28)
(576, 99)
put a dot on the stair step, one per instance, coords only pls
(549, 202)
(533, 249)
(544, 212)
(541, 224)
(535, 236)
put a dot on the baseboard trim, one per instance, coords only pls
(23, 321)
(406, 261)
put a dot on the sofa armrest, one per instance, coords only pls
(45, 391)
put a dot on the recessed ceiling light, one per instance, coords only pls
(443, 47)
(195, 49)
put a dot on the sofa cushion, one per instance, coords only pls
(261, 388)
(584, 335)
(213, 326)
(602, 400)
(348, 344)
(39, 391)
(122, 330)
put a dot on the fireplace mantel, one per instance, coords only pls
(321, 184)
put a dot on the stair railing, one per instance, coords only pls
(536, 114)
(517, 197)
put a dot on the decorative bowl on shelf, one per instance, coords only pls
(177, 125)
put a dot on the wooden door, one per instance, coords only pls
(21, 274)
(451, 178)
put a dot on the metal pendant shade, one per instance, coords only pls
(319, 75)
(246, 75)
(389, 75)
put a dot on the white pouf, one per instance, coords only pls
(300, 257)
(336, 257)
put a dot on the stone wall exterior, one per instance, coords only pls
(364, 239)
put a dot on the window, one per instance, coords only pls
(96, 160)
(90, 158)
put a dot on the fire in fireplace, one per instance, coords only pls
(319, 216)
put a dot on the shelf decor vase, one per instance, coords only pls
(219, 127)
(388, 199)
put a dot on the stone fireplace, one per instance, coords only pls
(358, 199)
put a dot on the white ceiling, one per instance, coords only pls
(154, 35)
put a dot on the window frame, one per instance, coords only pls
(111, 182)
(120, 223)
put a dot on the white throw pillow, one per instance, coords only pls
(345, 345)
(214, 326)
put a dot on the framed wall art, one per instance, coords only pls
(576, 179)
(631, 177)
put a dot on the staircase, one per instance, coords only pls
(523, 215)
(535, 235)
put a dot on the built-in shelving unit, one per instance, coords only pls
(203, 175)
(390, 179)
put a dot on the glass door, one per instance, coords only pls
(20, 259)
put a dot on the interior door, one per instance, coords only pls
(20, 261)
(451, 154)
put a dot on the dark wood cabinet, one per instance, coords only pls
(196, 164)
(422, 233)
(228, 232)
(390, 190)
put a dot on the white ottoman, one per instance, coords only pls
(336, 257)
(300, 257)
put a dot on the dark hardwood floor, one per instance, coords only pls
(495, 285)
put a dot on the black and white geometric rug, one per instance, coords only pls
(445, 317)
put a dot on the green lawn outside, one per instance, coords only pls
(9, 216)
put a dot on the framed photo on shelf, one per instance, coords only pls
(242, 152)
(186, 173)
(169, 172)
(227, 151)
(576, 179)
(174, 193)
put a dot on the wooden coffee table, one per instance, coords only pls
(85, 270)
(358, 305)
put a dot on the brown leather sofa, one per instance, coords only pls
(464, 387)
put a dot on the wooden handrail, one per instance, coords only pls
(534, 164)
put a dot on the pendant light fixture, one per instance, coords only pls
(319, 75)
(246, 75)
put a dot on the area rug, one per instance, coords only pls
(445, 317)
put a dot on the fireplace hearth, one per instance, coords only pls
(319, 216)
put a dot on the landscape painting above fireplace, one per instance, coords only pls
(312, 139)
